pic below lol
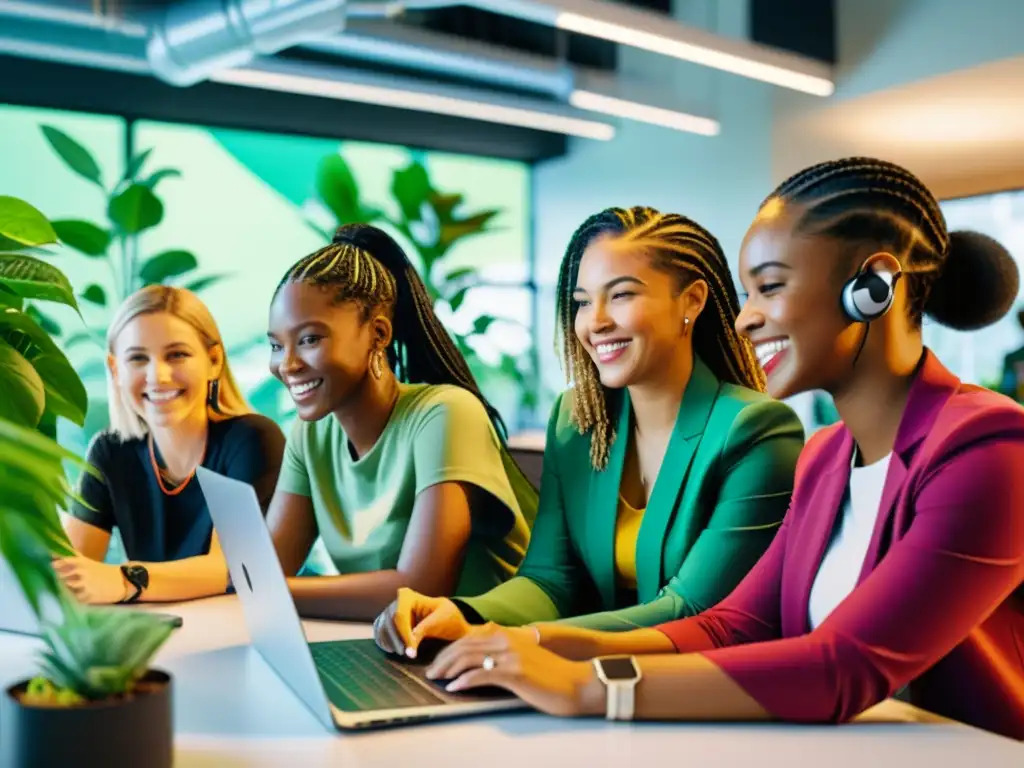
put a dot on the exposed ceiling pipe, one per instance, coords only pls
(92, 47)
(425, 51)
(92, 14)
(197, 38)
(655, 32)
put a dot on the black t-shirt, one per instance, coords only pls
(156, 527)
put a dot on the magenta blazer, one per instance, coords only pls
(939, 605)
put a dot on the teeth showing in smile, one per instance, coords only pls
(605, 349)
(769, 349)
(298, 390)
(163, 397)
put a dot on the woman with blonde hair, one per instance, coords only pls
(174, 406)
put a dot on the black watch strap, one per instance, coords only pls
(138, 577)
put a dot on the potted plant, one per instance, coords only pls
(94, 699)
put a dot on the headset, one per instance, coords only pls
(869, 294)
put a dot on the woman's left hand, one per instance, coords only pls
(90, 580)
(539, 677)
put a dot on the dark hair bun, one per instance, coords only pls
(977, 285)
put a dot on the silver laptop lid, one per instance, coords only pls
(270, 615)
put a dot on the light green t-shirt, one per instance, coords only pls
(436, 434)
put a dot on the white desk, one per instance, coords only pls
(232, 710)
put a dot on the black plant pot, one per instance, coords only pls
(137, 731)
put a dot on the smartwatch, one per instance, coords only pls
(620, 674)
(138, 577)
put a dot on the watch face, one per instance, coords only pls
(619, 668)
(137, 575)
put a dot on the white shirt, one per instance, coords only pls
(851, 537)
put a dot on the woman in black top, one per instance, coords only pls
(174, 405)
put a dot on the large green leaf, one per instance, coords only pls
(73, 154)
(338, 190)
(45, 322)
(23, 223)
(22, 395)
(457, 229)
(65, 394)
(32, 278)
(9, 298)
(166, 265)
(411, 188)
(83, 236)
(135, 210)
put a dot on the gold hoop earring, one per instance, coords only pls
(377, 364)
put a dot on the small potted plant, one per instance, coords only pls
(94, 699)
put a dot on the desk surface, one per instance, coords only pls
(231, 709)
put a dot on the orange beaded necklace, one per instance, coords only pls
(159, 474)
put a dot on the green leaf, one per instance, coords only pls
(445, 205)
(338, 190)
(73, 154)
(84, 336)
(453, 231)
(83, 236)
(135, 210)
(136, 165)
(22, 396)
(482, 323)
(411, 188)
(457, 299)
(32, 278)
(45, 322)
(9, 298)
(156, 178)
(65, 393)
(166, 265)
(205, 282)
(95, 295)
(23, 223)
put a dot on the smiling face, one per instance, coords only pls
(630, 316)
(163, 368)
(793, 313)
(321, 350)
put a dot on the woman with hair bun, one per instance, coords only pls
(898, 569)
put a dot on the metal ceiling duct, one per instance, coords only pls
(196, 38)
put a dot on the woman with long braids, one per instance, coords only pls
(666, 470)
(397, 461)
(898, 570)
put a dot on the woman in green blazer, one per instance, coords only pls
(667, 471)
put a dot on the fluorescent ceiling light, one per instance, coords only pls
(360, 89)
(631, 110)
(707, 55)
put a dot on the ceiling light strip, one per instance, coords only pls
(644, 113)
(402, 98)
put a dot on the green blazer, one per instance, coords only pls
(717, 502)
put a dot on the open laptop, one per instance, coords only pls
(347, 684)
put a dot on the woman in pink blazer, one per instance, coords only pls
(898, 569)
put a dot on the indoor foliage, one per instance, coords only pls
(90, 653)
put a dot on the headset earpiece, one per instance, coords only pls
(868, 295)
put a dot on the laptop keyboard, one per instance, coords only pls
(358, 678)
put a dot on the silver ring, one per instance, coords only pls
(488, 663)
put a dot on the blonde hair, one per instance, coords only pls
(184, 305)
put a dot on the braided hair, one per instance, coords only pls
(964, 280)
(364, 264)
(686, 250)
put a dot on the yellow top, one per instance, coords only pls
(627, 528)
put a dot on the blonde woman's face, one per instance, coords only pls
(163, 369)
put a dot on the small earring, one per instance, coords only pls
(376, 364)
(686, 326)
(213, 395)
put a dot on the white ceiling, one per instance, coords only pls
(963, 132)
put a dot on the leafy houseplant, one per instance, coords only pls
(95, 701)
(433, 222)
